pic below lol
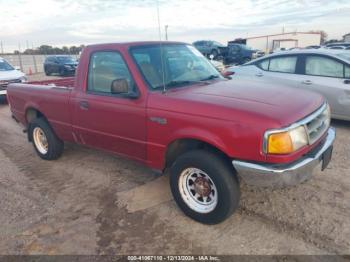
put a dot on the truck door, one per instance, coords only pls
(104, 119)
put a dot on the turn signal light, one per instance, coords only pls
(280, 143)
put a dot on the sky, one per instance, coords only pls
(73, 22)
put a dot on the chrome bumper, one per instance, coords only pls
(277, 175)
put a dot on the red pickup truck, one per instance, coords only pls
(165, 105)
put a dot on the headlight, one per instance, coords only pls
(23, 79)
(286, 142)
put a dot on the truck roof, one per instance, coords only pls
(137, 43)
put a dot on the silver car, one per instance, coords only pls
(321, 70)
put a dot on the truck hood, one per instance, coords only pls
(240, 101)
(10, 75)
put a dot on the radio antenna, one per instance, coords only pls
(161, 48)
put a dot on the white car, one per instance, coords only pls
(324, 71)
(8, 75)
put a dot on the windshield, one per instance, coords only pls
(66, 59)
(4, 66)
(182, 64)
(345, 56)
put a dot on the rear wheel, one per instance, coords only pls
(47, 145)
(204, 186)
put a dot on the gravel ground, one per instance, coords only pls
(90, 202)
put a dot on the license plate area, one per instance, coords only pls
(326, 157)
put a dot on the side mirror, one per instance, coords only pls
(211, 57)
(120, 86)
(17, 68)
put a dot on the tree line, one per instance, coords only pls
(50, 50)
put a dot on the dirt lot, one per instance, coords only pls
(90, 202)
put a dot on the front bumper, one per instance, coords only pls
(279, 175)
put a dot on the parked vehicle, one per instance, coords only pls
(237, 53)
(313, 47)
(320, 70)
(60, 64)
(259, 54)
(9, 74)
(208, 47)
(338, 47)
(346, 44)
(218, 65)
(165, 105)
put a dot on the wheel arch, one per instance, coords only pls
(182, 145)
(32, 113)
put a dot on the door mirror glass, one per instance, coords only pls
(120, 86)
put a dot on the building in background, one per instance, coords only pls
(268, 43)
(346, 38)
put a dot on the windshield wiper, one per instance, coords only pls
(177, 83)
(180, 83)
(210, 77)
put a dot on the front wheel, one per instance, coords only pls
(47, 145)
(204, 186)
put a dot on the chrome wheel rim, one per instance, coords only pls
(40, 140)
(198, 190)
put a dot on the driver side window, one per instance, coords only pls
(104, 68)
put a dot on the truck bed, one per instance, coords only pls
(50, 98)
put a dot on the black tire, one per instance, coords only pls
(47, 72)
(222, 175)
(55, 145)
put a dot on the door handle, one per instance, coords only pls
(307, 82)
(84, 105)
(259, 74)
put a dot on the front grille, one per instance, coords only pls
(5, 83)
(318, 123)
